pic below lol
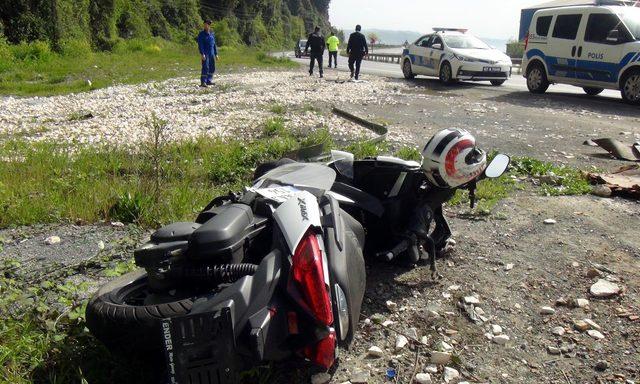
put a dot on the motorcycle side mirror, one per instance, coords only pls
(498, 166)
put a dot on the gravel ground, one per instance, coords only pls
(235, 107)
(509, 266)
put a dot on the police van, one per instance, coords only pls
(595, 47)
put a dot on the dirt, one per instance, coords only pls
(549, 262)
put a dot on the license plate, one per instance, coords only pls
(491, 69)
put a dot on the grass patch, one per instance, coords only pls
(278, 109)
(409, 153)
(47, 182)
(488, 193)
(23, 72)
(554, 180)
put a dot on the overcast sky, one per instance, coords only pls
(486, 18)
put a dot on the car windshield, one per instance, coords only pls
(464, 42)
(303, 43)
(631, 18)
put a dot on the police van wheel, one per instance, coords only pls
(592, 91)
(497, 83)
(537, 81)
(446, 73)
(630, 87)
(406, 70)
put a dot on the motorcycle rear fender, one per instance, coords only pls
(344, 242)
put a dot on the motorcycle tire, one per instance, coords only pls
(119, 319)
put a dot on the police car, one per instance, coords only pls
(453, 54)
(595, 47)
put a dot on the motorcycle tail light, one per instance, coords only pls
(323, 353)
(308, 274)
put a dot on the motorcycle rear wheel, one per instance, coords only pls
(120, 316)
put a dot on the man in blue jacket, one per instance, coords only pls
(208, 53)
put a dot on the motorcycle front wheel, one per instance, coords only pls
(125, 316)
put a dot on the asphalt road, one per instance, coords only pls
(516, 83)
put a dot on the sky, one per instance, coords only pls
(487, 18)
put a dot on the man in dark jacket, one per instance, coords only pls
(208, 54)
(357, 48)
(315, 41)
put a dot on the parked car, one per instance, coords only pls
(299, 49)
(453, 54)
(593, 47)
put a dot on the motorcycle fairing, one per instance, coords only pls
(295, 216)
(303, 175)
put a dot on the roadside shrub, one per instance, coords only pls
(37, 51)
(226, 35)
(75, 48)
(151, 46)
(6, 57)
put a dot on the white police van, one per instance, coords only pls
(595, 47)
(452, 54)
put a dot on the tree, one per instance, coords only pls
(373, 39)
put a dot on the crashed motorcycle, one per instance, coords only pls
(275, 272)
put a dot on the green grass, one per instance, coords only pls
(489, 192)
(44, 182)
(278, 109)
(38, 71)
(554, 180)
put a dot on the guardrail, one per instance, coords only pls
(383, 57)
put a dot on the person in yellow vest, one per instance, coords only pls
(332, 44)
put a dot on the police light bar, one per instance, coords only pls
(618, 2)
(463, 30)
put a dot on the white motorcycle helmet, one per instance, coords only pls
(451, 159)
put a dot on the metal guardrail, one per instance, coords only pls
(383, 57)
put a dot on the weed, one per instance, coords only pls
(274, 127)
(278, 109)
(555, 180)
(310, 108)
(128, 207)
(318, 136)
(488, 193)
(80, 115)
(363, 149)
(409, 153)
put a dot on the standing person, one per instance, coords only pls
(357, 48)
(315, 41)
(208, 54)
(332, 45)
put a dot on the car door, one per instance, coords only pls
(600, 48)
(418, 53)
(436, 49)
(562, 48)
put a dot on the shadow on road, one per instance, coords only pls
(569, 101)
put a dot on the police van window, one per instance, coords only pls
(437, 40)
(567, 26)
(604, 28)
(631, 18)
(542, 25)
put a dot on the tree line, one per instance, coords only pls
(102, 23)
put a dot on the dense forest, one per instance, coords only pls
(102, 23)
